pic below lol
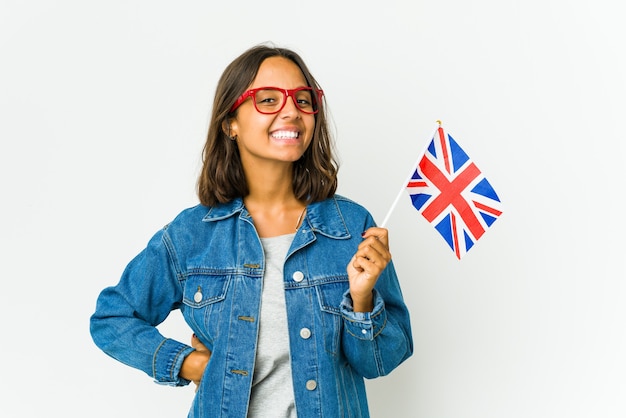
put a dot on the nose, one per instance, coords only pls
(290, 107)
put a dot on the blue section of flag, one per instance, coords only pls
(488, 219)
(420, 199)
(459, 157)
(431, 149)
(484, 188)
(445, 229)
(468, 241)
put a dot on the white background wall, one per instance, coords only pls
(103, 112)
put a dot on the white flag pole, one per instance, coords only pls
(413, 167)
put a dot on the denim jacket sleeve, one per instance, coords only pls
(376, 342)
(126, 316)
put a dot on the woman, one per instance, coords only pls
(289, 289)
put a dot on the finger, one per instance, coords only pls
(197, 344)
(355, 264)
(373, 247)
(380, 234)
(374, 250)
(368, 265)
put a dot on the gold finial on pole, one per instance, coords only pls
(439, 122)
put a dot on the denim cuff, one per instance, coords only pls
(364, 325)
(168, 361)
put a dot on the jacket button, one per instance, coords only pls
(197, 297)
(311, 384)
(298, 276)
(305, 333)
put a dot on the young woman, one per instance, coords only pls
(289, 288)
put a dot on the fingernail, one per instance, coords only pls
(363, 233)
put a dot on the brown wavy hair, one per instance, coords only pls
(222, 177)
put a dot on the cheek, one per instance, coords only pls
(250, 121)
(310, 127)
(309, 138)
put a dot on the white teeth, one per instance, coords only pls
(285, 134)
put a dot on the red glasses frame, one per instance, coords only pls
(286, 93)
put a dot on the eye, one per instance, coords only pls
(268, 97)
(304, 99)
(306, 102)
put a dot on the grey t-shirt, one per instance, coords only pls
(272, 388)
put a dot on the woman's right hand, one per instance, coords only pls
(195, 363)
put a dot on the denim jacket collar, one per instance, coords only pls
(323, 217)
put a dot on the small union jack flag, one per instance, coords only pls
(452, 194)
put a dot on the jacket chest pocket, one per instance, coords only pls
(329, 296)
(203, 302)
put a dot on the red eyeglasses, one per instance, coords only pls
(271, 100)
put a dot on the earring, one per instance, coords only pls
(233, 138)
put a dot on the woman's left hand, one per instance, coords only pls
(371, 258)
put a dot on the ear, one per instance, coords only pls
(229, 127)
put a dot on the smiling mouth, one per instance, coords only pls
(285, 135)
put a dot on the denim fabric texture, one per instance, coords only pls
(208, 263)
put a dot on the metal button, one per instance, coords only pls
(197, 297)
(298, 276)
(364, 331)
(311, 384)
(305, 333)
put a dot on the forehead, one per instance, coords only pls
(279, 72)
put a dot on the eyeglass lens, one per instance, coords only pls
(272, 100)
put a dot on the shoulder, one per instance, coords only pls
(339, 213)
(346, 202)
(348, 205)
(188, 217)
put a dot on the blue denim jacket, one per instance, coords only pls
(209, 263)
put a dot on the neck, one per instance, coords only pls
(275, 214)
(270, 185)
(271, 201)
